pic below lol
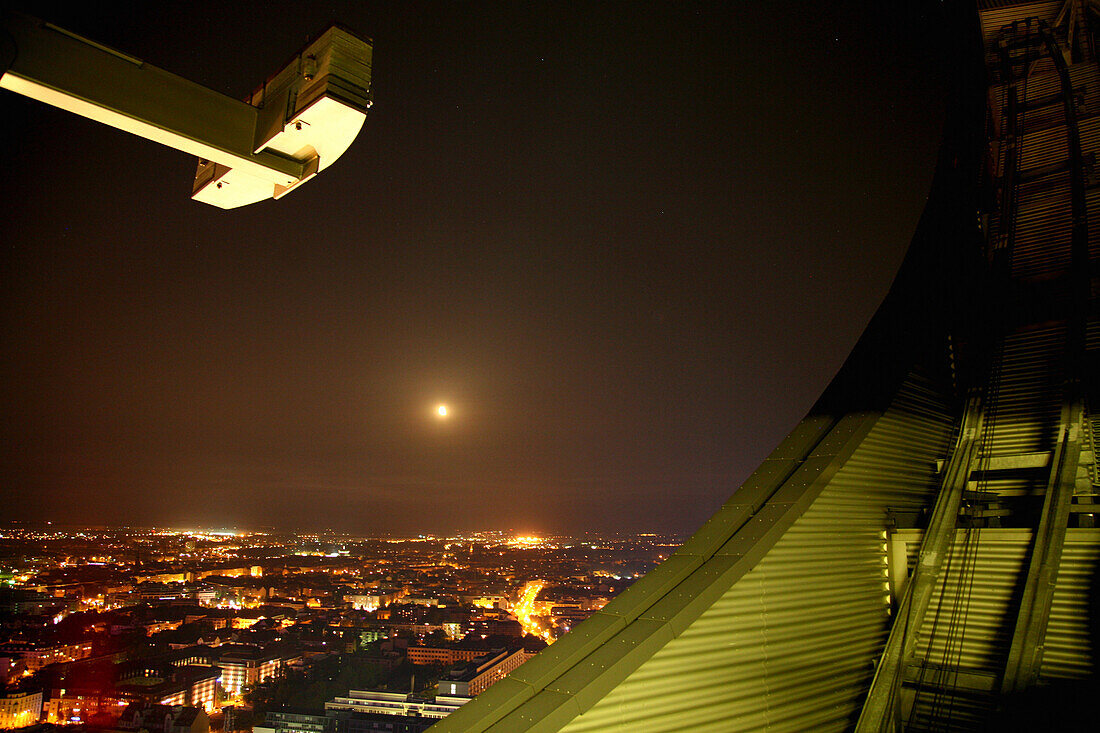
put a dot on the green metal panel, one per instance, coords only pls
(786, 645)
(985, 599)
(569, 650)
(605, 649)
(600, 672)
(1069, 652)
(791, 644)
(545, 712)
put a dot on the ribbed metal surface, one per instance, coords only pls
(1043, 84)
(1026, 397)
(1043, 227)
(958, 711)
(970, 620)
(1092, 200)
(1043, 216)
(1043, 146)
(1069, 650)
(968, 629)
(1092, 409)
(791, 646)
(995, 16)
(1041, 221)
(983, 601)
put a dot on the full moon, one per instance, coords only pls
(441, 411)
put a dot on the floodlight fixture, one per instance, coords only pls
(290, 128)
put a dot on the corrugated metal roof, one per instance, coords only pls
(969, 627)
(791, 646)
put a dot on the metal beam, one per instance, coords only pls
(1026, 652)
(65, 70)
(1025, 655)
(879, 708)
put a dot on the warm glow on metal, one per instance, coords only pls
(300, 121)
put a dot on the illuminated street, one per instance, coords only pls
(524, 611)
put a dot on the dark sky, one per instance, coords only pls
(627, 243)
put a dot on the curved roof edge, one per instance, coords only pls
(568, 677)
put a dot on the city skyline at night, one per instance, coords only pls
(557, 402)
(221, 618)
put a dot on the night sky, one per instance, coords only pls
(628, 244)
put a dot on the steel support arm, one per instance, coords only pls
(65, 70)
(294, 125)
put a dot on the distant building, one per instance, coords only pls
(20, 709)
(36, 656)
(206, 596)
(94, 687)
(342, 721)
(11, 667)
(366, 602)
(475, 677)
(397, 703)
(568, 616)
(246, 665)
(169, 589)
(487, 600)
(441, 655)
(192, 685)
(291, 721)
(32, 655)
(200, 654)
(24, 600)
(157, 626)
(164, 719)
(496, 627)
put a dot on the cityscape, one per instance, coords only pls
(245, 629)
(583, 384)
(247, 435)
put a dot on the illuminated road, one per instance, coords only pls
(524, 611)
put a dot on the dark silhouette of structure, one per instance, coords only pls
(920, 553)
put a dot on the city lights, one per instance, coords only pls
(524, 611)
(225, 597)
